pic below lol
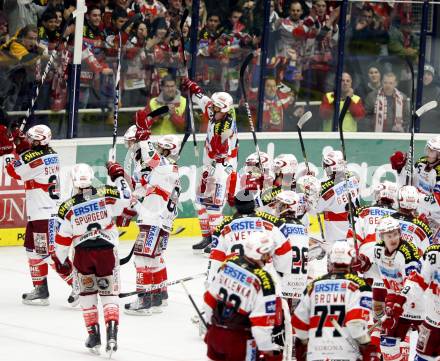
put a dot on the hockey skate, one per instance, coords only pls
(93, 342)
(140, 307)
(199, 247)
(112, 342)
(38, 297)
(73, 299)
(164, 298)
(156, 302)
(207, 251)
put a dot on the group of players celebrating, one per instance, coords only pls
(263, 300)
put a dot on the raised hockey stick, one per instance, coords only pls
(188, 95)
(248, 109)
(127, 258)
(353, 344)
(344, 110)
(194, 304)
(409, 162)
(303, 120)
(53, 54)
(161, 285)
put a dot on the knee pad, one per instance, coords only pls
(390, 348)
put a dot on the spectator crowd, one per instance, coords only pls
(302, 58)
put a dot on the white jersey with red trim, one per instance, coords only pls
(89, 216)
(293, 283)
(333, 203)
(160, 193)
(427, 281)
(414, 230)
(39, 169)
(231, 233)
(367, 219)
(242, 295)
(343, 297)
(394, 270)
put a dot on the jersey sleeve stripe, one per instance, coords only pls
(217, 255)
(357, 314)
(417, 278)
(210, 300)
(283, 249)
(262, 321)
(299, 324)
(338, 217)
(64, 241)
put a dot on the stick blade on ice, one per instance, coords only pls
(426, 107)
(304, 119)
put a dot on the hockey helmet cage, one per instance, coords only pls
(40, 133)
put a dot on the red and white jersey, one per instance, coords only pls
(88, 217)
(367, 219)
(242, 295)
(343, 297)
(395, 269)
(333, 203)
(160, 193)
(293, 283)
(221, 144)
(427, 281)
(414, 230)
(39, 169)
(231, 233)
(293, 35)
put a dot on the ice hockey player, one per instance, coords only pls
(396, 260)
(340, 296)
(413, 228)
(86, 223)
(288, 206)
(427, 281)
(219, 173)
(231, 233)
(38, 166)
(367, 219)
(426, 180)
(155, 215)
(334, 196)
(241, 306)
(255, 176)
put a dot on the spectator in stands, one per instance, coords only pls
(21, 13)
(4, 33)
(150, 9)
(374, 81)
(387, 108)
(355, 113)
(174, 13)
(233, 24)
(49, 31)
(430, 122)
(174, 121)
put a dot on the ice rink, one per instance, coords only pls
(57, 332)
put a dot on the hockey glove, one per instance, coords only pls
(20, 141)
(192, 86)
(124, 219)
(65, 268)
(370, 352)
(361, 264)
(398, 161)
(6, 142)
(115, 170)
(394, 305)
(143, 125)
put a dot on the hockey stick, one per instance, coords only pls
(52, 56)
(188, 95)
(303, 120)
(344, 334)
(161, 285)
(409, 163)
(127, 258)
(194, 304)
(248, 109)
(288, 341)
(344, 110)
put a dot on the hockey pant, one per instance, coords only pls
(39, 243)
(97, 272)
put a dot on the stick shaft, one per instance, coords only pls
(303, 149)
(202, 319)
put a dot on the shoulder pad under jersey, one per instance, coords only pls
(65, 206)
(269, 194)
(326, 185)
(422, 225)
(226, 220)
(409, 251)
(268, 217)
(431, 249)
(363, 286)
(266, 281)
(108, 191)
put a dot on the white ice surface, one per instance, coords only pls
(57, 332)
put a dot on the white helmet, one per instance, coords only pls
(130, 135)
(285, 164)
(40, 133)
(258, 244)
(333, 161)
(223, 101)
(408, 198)
(310, 186)
(252, 162)
(433, 144)
(170, 143)
(341, 253)
(387, 224)
(387, 191)
(288, 202)
(82, 175)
